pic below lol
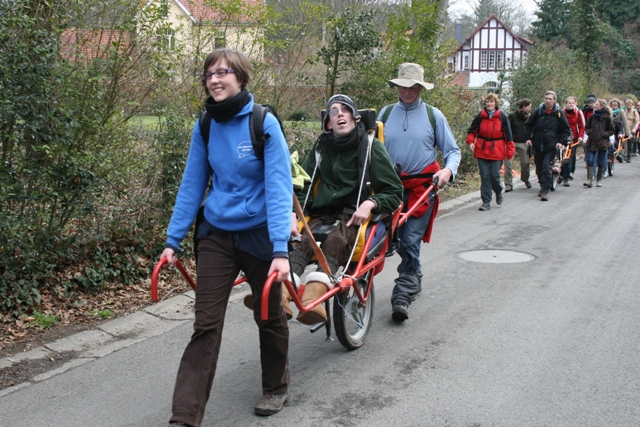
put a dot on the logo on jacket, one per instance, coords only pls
(245, 148)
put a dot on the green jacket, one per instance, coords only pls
(337, 183)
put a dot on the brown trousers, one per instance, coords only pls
(219, 263)
(339, 242)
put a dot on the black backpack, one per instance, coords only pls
(256, 127)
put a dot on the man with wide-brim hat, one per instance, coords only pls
(413, 132)
(409, 75)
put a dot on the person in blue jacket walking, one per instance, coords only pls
(246, 226)
(412, 140)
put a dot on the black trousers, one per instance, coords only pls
(544, 165)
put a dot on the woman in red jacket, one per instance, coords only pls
(576, 121)
(491, 141)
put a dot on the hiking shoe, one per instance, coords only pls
(485, 207)
(543, 197)
(271, 403)
(499, 198)
(400, 312)
(565, 183)
(540, 193)
(508, 188)
(528, 184)
(571, 176)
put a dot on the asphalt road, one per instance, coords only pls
(550, 342)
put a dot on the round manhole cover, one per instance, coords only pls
(495, 256)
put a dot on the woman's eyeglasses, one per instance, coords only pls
(219, 73)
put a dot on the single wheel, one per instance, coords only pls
(554, 182)
(610, 166)
(351, 318)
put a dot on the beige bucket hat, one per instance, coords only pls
(410, 74)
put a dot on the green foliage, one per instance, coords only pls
(301, 136)
(301, 115)
(603, 33)
(351, 39)
(617, 12)
(103, 314)
(623, 50)
(66, 147)
(551, 68)
(587, 29)
(171, 147)
(553, 20)
(43, 320)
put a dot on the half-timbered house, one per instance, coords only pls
(491, 50)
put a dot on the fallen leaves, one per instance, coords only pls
(77, 309)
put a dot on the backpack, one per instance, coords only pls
(432, 117)
(256, 127)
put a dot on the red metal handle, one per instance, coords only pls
(411, 209)
(156, 274)
(264, 310)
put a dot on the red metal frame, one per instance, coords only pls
(185, 274)
(376, 264)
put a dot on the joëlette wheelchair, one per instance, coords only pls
(353, 293)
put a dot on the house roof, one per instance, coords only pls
(526, 43)
(78, 44)
(201, 11)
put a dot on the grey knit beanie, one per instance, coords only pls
(344, 100)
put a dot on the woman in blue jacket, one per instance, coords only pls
(240, 231)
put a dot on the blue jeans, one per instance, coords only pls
(490, 178)
(597, 158)
(409, 282)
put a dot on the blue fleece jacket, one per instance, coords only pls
(408, 137)
(242, 183)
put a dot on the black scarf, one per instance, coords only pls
(599, 113)
(222, 111)
(345, 143)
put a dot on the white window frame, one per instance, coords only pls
(483, 59)
(492, 59)
(219, 40)
(166, 39)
